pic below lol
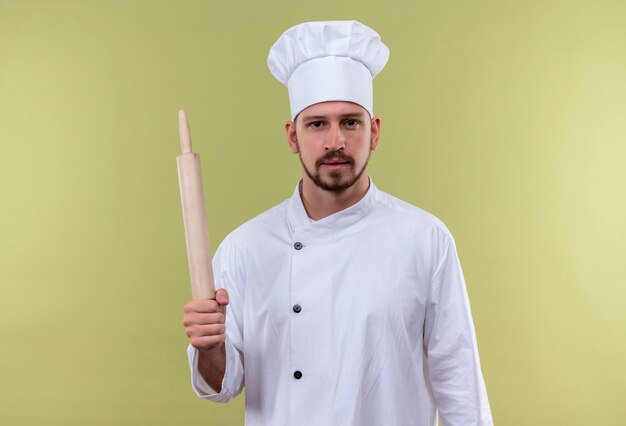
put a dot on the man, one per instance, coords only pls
(346, 306)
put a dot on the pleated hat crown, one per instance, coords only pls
(328, 61)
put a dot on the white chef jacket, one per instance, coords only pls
(361, 318)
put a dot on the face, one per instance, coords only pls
(334, 141)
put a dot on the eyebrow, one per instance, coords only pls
(324, 117)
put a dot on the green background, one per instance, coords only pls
(505, 119)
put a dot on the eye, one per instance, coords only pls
(352, 123)
(315, 125)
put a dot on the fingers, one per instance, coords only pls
(208, 343)
(221, 296)
(204, 321)
(206, 306)
(207, 330)
(194, 318)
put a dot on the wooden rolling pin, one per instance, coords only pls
(194, 216)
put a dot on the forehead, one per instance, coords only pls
(333, 108)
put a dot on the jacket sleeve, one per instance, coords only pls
(227, 275)
(450, 345)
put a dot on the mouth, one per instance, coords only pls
(335, 164)
(337, 161)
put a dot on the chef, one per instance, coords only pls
(343, 305)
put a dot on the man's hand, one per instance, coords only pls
(205, 322)
(205, 325)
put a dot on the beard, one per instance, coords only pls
(337, 180)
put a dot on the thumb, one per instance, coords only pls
(221, 296)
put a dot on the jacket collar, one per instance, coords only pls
(303, 226)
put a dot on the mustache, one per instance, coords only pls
(334, 155)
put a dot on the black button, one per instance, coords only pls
(297, 245)
(297, 308)
(297, 375)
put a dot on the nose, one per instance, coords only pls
(335, 139)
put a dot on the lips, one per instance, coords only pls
(334, 160)
(333, 163)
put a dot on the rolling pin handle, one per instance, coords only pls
(183, 126)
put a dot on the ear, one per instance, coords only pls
(292, 138)
(375, 133)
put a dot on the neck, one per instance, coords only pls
(320, 203)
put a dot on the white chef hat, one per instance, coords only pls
(328, 61)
